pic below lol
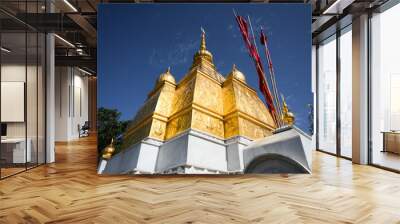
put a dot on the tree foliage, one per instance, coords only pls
(311, 119)
(109, 126)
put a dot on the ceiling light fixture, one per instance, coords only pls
(70, 5)
(64, 40)
(5, 50)
(84, 71)
(337, 7)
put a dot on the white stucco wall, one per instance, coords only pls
(71, 102)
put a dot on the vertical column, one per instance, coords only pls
(360, 90)
(50, 92)
(314, 91)
(92, 83)
(338, 91)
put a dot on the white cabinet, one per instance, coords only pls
(19, 154)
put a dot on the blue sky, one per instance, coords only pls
(137, 42)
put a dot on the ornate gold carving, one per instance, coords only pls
(231, 127)
(164, 105)
(158, 129)
(251, 130)
(139, 134)
(207, 123)
(183, 96)
(178, 125)
(146, 110)
(229, 97)
(248, 102)
(208, 94)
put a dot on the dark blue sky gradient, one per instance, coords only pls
(137, 42)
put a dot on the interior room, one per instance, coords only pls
(49, 152)
(27, 141)
(22, 100)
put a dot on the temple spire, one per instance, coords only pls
(203, 56)
(203, 39)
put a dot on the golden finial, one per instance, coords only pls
(287, 116)
(203, 39)
(109, 150)
(285, 107)
(235, 73)
(203, 55)
(166, 76)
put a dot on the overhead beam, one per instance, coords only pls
(338, 6)
(81, 61)
(45, 22)
(86, 26)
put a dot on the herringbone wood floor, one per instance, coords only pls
(69, 191)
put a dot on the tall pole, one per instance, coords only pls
(278, 118)
(254, 55)
(273, 82)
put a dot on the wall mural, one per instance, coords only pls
(200, 89)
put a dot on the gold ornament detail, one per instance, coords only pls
(203, 57)
(166, 76)
(287, 117)
(235, 73)
(109, 150)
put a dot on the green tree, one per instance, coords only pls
(109, 126)
(311, 119)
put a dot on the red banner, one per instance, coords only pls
(263, 85)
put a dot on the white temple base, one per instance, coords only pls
(194, 152)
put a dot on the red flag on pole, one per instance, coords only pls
(264, 41)
(263, 84)
(263, 38)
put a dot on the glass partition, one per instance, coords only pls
(346, 92)
(22, 77)
(14, 153)
(327, 95)
(385, 89)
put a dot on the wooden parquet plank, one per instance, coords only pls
(70, 191)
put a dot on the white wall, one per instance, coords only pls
(16, 73)
(33, 126)
(71, 102)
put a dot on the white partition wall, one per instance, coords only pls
(13, 101)
(71, 102)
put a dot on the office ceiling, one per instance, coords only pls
(76, 21)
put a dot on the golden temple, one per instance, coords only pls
(203, 100)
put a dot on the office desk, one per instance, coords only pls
(13, 150)
(391, 141)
